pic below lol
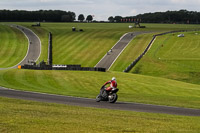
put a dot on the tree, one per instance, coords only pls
(118, 18)
(65, 18)
(73, 15)
(81, 18)
(111, 19)
(89, 18)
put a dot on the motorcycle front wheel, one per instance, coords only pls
(98, 98)
(112, 98)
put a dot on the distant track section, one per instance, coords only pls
(34, 49)
(85, 102)
(111, 56)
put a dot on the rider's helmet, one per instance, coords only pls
(113, 78)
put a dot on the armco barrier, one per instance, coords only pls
(79, 68)
(69, 67)
(34, 67)
(147, 48)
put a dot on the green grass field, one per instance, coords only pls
(13, 45)
(154, 80)
(85, 48)
(88, 47)
(133, 88)
(174, 58)
(28, 116)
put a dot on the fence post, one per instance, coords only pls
(50, 56)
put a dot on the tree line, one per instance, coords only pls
(181, 16)
(41, 16)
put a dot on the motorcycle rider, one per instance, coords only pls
(113, 85)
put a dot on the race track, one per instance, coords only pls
(84, 102)
(34, 48)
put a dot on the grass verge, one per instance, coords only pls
(28, 116)
(172, 57)
(13, 45)
(133, 88)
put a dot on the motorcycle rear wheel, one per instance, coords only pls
(112, 98)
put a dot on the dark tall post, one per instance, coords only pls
(50, 56)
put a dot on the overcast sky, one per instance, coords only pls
(102, 9)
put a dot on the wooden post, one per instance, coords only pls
(50, 56)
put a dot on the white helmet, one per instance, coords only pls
(113, 78)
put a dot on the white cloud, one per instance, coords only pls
(134, 12)
(47, 0)
(178, 1)
(185, 2)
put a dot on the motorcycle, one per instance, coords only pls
(111, 96)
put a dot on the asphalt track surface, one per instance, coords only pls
(111, 56)
(34, 49)
(84, 102)
(34, 53)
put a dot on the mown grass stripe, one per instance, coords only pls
(70, 51)
(13, 46)
(5, 45)
(61, 45)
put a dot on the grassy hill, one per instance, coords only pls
(85, 48)
(133, 88)
(69, 47)
(13, 46)
(88, 47)
(173, 57)
(149, 82)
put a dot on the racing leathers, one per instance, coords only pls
(113, 85)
